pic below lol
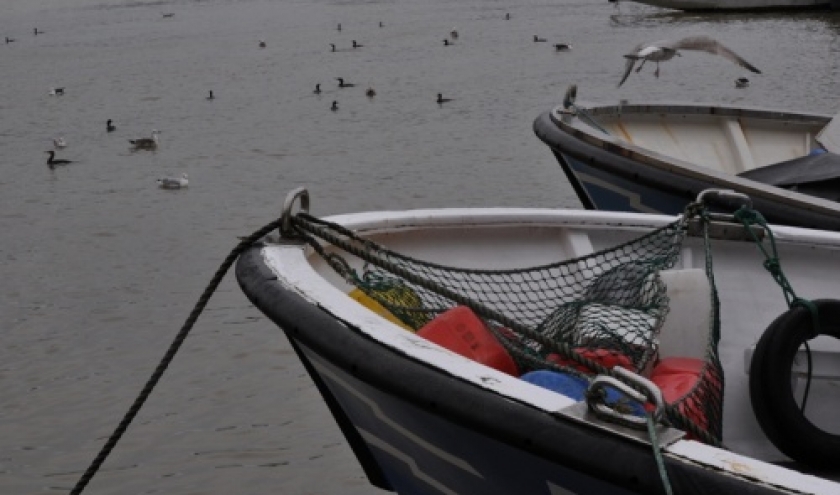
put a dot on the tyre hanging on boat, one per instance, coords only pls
(771, 393)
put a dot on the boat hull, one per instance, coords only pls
(738, 5)
(607, 175)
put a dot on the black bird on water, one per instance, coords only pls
(9, 40)
(441, 99)
(562, 47)
(52, 161)
(109, 126)
(37, 31)
(334, 106)
(356, 45)
(446, 42)
(342, 84)
(332, 47)
(210, 96)
(317, 89)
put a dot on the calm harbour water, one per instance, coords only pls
(100, 268)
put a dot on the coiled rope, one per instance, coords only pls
(170, 354)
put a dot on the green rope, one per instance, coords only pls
(749, 217)
(657, 454)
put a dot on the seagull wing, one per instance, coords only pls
(631, 61)
(709, 45)
(628, 68)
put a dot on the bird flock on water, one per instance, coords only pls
(647, 52)
(450, 40)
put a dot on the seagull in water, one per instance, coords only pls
(109, 126)
(59, 142)
(146, 143)
(52, 161)
(173, 182)
(660, 51)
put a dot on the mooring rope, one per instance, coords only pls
(170, 354)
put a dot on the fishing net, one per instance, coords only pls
(580, 316)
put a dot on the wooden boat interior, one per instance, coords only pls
(728, 140)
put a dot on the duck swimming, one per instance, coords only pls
(356, 45)
(370, 93)
(262, 44)
(562, 47)
(334, 106)
(52, 161)
(146, 143)
(109, 126)
(56, 91)
(342, 84)
(441, 99)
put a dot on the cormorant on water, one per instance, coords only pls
(342, 84)
(334, 106)
(109, 126)
(441, 99)
(52, 161)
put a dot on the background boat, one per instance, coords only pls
(739, 5)
(658, 156)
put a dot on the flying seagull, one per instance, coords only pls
(661, 51)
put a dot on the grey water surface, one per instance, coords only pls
(100, 268)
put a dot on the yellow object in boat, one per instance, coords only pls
(377, 308)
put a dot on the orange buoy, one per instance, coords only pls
(678, 377)
(461, 331)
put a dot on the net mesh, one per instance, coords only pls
(557, 316)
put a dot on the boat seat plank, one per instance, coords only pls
(743, 159)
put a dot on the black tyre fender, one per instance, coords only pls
(771, 395)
